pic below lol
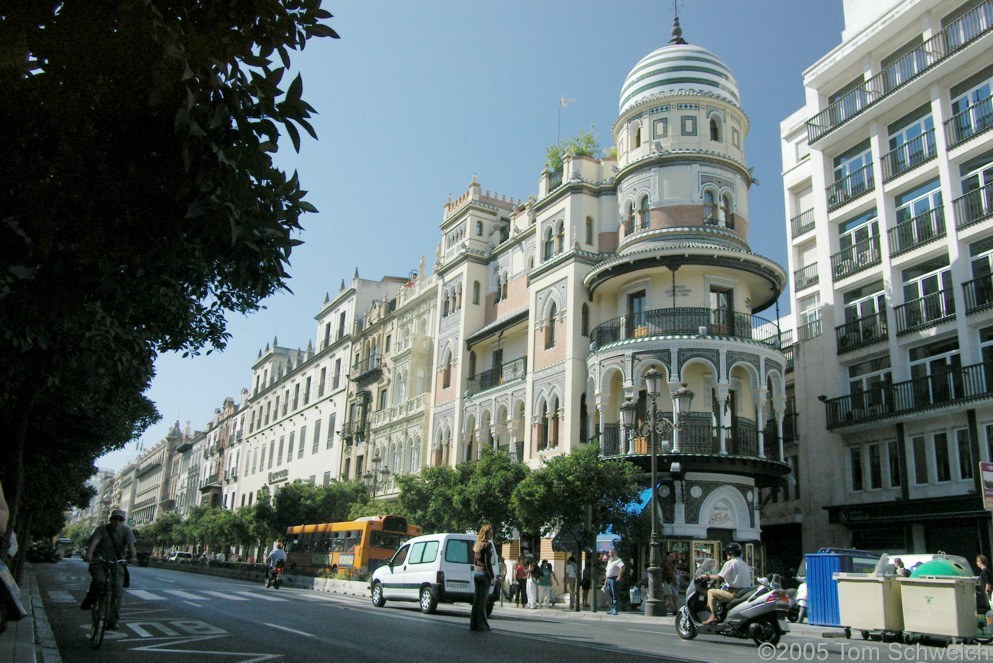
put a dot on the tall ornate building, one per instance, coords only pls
(889, 194)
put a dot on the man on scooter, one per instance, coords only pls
(735, 576)
(277, 555)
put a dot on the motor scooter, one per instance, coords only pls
(274, 576)
(798, 604)
(758, 612)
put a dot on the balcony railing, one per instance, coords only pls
(788, 352)
(710, 219)
(610, 441)
(698, 435)
(850, 187)
(855, 258)
(802, 223)
(861, 332)
(809, 330)
(945, 43)
(952, 387)
(695, 321)
(363, 366)
(920, 230)
(927, 311)
(978, 293)
(494, 377)
(973, 207)
(971, 121)
(909, 155)
(806, 277)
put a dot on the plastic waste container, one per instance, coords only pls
(939, 606)
(869, 602)
(822, 588)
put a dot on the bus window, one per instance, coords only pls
(459, 552)
(387, 540)
(352, 539)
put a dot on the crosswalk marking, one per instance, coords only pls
(262, 597)
(57, 596)
(222, 595)
(145, 596)
(183, 595)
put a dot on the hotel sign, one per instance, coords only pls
(279, 475)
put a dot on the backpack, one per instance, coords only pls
(537, 573)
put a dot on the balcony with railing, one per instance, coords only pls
(978, 293)
(950, 40)
(788, 353)
(852, 186)
(969, 122)
(697, 436)
(955, 386)
(509, 371)
(808, 330)
(927, 311)
(974, 207)
(909, 155)
(855, 258)
(806, 277)
(862, 332)
(918, 231)
(695, 321)
(802, 223)
(367, 365)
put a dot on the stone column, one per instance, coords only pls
(761, 395)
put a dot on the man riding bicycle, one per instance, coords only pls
(109, 542)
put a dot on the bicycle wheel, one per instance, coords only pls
(101, 613)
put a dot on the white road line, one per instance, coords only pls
(222, 595)
(290, 630)
(57, 596)
(145, 596)
(261, 597)
(183, 595)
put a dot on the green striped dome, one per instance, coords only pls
(678, 67)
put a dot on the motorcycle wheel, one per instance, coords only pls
(770, 633)
(685, 627)
(793, 614)
(277, 582)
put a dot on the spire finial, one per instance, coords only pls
(677, 31)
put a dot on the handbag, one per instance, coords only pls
(10, 596)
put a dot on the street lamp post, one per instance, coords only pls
(376, 461)
(653, 427)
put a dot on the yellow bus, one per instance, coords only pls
(366, 543)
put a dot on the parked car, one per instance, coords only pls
(180, 556)
(429, 569)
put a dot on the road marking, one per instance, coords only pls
(222, 595)
(195, 605)
(183, 595)
(260, 596)
(290, 630)
(57, 596)
(642, 630)
(145, 596)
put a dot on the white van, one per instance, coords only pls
(429, 569)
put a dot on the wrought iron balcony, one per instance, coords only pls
(802, 223)
(494, 377)
(695, 321)
(927, 311)
(697, 435)
(861, 332)
(788, 354)
(971, 121)
(953, 387)
(948, 41)
(809, 330)
(367, 365)
(856, 258)
(909, 155)
(978, 293)
(922, 229)
(850, 187)
(806, 277)
(973, 207)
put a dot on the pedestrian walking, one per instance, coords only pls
(571, 578)
(522, 578)
(546, 592)
(484, 577)
(534, 574)
(586, 583)
(669, 581)
(511, 573)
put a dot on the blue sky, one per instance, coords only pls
(417, 97)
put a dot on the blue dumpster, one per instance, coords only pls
(822, 588)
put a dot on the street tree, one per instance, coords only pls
(428, 499)
(485, 490)
(139, 203)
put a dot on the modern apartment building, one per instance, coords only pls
(888, 177)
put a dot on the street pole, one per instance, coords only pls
(652, 603)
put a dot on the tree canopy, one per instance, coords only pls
(139, 201)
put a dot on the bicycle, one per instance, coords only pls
(100, 613)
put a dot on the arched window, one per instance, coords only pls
(550, 327)
(727, 210)
(631, 216)
(589, 230)
(709, 207)
(503, 287)
(475, 292)
(549, 247)
(560, 238)
(479, 228)
(444, 305)
(637, 137)
(643, 213)
(446, 372)
(586, 320)
(472, 364)
(715, 129)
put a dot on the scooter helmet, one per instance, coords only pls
(732, 549)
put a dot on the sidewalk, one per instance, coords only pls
(29, 640)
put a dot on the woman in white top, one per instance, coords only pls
(615, 569)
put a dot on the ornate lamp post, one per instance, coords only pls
(376, 461)
(654, 427)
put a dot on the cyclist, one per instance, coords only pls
(277, 556)
(109, 542)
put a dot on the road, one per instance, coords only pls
(170, 615)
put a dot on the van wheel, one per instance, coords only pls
(377, 595)
(429, 603)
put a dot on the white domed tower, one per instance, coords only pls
(680, 295)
